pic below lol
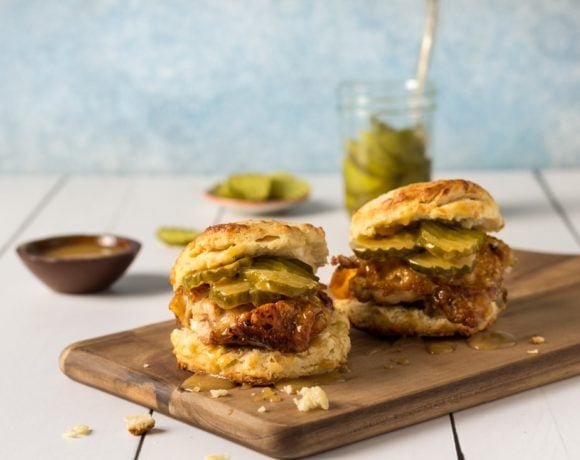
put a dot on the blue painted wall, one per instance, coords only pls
(223, 85)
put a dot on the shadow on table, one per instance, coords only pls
(140, 284)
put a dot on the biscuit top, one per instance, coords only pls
(453, 200)
(225, 243)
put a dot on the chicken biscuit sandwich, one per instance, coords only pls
(250, 307)
(424, 264)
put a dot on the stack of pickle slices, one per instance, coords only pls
(381, 159)
(262, 187)
(256, 281)
(430, 247)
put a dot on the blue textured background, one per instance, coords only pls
(192, 86)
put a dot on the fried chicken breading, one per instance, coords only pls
(288, 325)
(462, 298)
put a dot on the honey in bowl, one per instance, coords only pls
(79, 264)
(82, 250)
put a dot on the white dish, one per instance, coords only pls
(255, 207)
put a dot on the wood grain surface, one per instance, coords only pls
(382, 392)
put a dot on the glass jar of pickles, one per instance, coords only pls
(386, 131)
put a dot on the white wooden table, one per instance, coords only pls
(542, 211)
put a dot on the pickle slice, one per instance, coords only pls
(428, 263)
(222, 189)
(258, 298)
(287, 265)
(287, 187)
(213, 275)
(230, 294)
(398, 245)
(280, 282)
(360, 182)
(177, 236)
(255, 187)
(449, 242)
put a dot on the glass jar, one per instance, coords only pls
(386, 133)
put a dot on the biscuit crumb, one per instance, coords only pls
(537, 340)
(146, 365)
(139, 424)
(262, 409)
(218, 393)
(77, 431)
(288, 389)
(533, 351)
(217, 457)
(312, 398)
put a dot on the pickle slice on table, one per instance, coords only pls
(447, 241)
(177, 236)
(400, 244)
(433, 265)
(280, 282)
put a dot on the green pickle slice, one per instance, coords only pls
(381, 159)
(256, 281)
(398, 245)
(288, 265)
(177, 236)
(280, 282)
(231, 293)
(287, 187)
(359, 181)
(428, 263)
(449, 242)
(262, 187)
(254, 187)
(213, 275)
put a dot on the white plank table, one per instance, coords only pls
(542, 211)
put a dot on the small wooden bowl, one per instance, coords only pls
(79, 264)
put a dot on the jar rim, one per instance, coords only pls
(359, 93)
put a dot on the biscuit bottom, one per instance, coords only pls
(327, 352)
(398, 320)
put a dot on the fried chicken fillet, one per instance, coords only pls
(424, 264)
(250, 308)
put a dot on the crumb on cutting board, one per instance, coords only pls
(288, 389)
(139, 424)
(262, 409)
(537, 340)
(533, 351)
(312, 398)
(218, 393)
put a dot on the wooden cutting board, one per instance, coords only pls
(389, 386)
